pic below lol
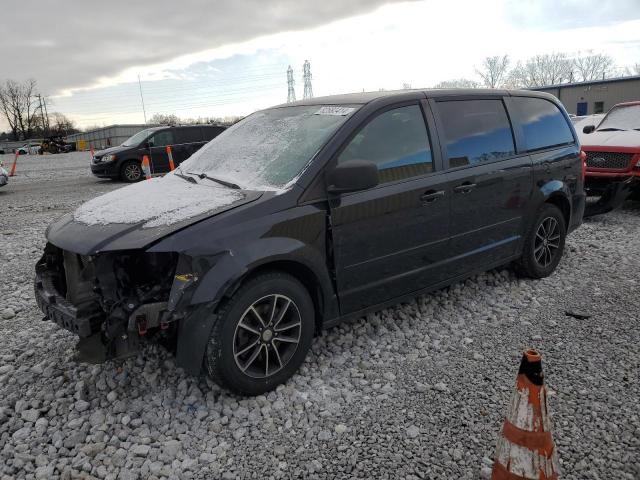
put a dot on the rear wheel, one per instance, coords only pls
(131, 171)
(262, 334)
(544, 244)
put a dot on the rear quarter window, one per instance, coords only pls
(543, 124)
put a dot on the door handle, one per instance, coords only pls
(431, 196)
(464, 188)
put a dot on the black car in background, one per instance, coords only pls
(306, 214)
(125, 161)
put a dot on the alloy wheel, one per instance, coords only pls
(547, 242)
(267, 336)
(132, 172)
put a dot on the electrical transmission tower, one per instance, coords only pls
(308, 89)
(291, 92)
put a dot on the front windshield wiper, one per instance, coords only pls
(611, 129)
(235, 186)
(178, 173)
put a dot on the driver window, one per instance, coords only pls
(396, 141)
(161, 139)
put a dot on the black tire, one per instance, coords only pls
(539, 257)
(226, 355)
(131, 171)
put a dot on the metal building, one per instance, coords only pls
(105, 137)
(597, 96)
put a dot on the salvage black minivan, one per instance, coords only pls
(125, 161)
(306, 214)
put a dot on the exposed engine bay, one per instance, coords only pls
(111, 300)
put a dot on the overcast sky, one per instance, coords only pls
(205, 58)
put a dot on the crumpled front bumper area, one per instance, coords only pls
(111, 301)
(83, 320)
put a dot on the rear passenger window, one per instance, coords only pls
(543, 123)
(396, 141)
(188, 135)
(476, 131)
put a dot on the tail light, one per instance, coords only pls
(583, 159)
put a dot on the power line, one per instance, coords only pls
(151, 90)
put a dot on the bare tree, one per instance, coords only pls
(172, 119)
(592, 66)
(9, 101)
(61, 125)
(458, 83)
(163, 119)
(636, 69)
(542, 70)
(17, 106)
(494, 71)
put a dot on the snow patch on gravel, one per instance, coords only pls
(160, 201)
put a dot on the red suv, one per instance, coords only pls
(613, 157)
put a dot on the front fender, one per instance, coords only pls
(225, 276)
(233, 265)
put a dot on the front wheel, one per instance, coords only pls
(131, 171)
(544, 244)
(262, 334)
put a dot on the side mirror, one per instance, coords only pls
(352, 176)
(588, 129)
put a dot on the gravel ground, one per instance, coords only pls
(414, 391)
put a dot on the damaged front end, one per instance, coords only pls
(113, 300)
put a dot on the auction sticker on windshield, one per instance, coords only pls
(334, 110)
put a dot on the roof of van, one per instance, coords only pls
(366, 97)
(168, 125)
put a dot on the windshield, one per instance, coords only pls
(270, 148)
(622, 118)
(137, 138)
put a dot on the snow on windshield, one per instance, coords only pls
(622, 118)
(157, 202)
(269, 149)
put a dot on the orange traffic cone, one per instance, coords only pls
(146, 167)
(525, 447)
(15, 161)
(172, 165)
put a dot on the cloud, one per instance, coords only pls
(562, 14)
(75, 43)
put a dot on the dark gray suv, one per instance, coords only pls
(125, 161)
(306, 214)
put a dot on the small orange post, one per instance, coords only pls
(13, 167)
(146, 167)
(172, 166)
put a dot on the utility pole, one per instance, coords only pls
(306, 76)
(291, 92)
(44, 115)
(142, 98)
